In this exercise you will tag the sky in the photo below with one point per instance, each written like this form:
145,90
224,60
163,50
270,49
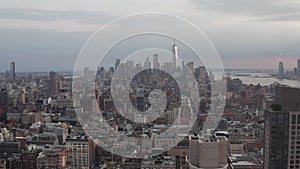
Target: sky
48,35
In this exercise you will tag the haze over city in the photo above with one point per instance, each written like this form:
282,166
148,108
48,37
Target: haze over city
50,34
157,84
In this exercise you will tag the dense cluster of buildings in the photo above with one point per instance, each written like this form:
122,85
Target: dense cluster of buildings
289,74
40,127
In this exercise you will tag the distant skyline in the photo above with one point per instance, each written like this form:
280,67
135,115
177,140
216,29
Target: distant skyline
48,35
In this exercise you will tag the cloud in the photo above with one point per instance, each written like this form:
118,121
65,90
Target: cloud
91,17
265,10
55,25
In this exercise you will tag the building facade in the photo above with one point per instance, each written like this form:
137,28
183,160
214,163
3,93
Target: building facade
81,152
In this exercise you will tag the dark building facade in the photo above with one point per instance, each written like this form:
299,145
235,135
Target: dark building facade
277,128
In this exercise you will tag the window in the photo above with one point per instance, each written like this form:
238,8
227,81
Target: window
293,119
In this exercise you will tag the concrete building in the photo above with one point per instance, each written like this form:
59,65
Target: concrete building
8,148
237,148
208,153
280,70
140,100
298,68
180,152
294,140
155,61
12,71
81,152
53,157
117,63
30,159
281,121
27,119
3,100
159,162
54,84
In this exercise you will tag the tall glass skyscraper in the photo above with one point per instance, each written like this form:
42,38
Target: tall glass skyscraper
12,71
280,70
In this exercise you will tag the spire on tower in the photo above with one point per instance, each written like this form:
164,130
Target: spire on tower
175,54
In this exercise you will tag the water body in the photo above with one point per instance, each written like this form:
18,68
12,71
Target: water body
263,79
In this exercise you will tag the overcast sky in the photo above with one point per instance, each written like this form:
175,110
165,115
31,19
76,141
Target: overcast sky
48,35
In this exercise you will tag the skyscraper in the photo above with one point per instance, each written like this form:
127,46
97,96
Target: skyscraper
280,70
117,64
175,55
281,122
190,65
155,61
147,63
12,71
298,68
54,84
294,140
140,100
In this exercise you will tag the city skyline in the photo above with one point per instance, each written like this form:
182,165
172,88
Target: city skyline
37,34
131,84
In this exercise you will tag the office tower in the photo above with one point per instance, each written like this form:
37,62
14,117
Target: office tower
140,100
280,118
155,61
147,63
12,71
81,152
280,70
294,140
175,55
276,139
208,152
54,84
298,68
190,65
117,64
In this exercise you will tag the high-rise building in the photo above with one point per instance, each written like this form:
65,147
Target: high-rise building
182,65
208,153
294,140
147,63
54,84
281,121
276,139
81,152
295,71
155,61
175,55
298,68
280,70
190,65
117,64
12,71
140,99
